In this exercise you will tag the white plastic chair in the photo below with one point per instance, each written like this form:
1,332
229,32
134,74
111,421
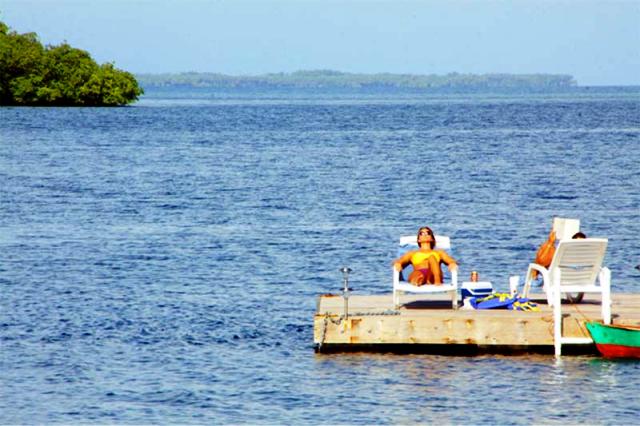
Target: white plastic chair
409,243
576,268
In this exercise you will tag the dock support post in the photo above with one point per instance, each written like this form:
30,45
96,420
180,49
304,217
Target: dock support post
345,291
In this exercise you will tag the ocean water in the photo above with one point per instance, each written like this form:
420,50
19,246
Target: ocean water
160,263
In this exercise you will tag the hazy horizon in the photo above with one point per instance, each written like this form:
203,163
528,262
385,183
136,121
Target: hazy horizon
596,42
345,72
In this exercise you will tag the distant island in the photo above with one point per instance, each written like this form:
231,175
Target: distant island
35,75
328,79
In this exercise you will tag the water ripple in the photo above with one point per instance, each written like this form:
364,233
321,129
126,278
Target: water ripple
161,263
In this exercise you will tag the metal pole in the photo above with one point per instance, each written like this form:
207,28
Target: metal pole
345,291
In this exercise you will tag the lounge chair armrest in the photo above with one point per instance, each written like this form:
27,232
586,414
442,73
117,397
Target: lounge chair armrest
539,268
454,277
604,277
527,281
396,276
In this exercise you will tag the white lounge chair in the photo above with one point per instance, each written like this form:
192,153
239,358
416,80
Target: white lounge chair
409,243
576,268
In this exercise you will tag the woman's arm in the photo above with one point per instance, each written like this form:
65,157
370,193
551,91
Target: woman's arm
400,262
545,253
448,260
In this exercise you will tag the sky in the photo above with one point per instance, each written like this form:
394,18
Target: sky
598,42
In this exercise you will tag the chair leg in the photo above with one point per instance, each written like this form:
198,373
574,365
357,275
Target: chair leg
556,296
557,325
605,283
454,299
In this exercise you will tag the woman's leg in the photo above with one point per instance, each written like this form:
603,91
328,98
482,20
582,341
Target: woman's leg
435,272
418,277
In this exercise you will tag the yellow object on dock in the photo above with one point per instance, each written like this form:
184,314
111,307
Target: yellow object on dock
431,325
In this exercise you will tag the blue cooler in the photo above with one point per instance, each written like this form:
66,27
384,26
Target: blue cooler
475,289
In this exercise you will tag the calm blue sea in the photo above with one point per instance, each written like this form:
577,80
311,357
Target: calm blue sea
160,263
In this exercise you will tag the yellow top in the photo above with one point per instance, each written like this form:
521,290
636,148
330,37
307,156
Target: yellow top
419,257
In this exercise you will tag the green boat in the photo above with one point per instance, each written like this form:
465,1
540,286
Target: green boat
616,341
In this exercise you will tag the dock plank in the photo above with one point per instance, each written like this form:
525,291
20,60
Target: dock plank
373,321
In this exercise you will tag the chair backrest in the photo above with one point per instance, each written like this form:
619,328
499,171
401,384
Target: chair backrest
579,261
442,242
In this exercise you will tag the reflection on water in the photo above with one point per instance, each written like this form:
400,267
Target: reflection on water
484,389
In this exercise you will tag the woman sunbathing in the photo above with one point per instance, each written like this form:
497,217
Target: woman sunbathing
426,261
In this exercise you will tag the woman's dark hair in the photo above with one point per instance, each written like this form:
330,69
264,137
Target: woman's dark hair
578,235
432,243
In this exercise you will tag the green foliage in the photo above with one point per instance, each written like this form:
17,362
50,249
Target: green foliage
31,74
321,79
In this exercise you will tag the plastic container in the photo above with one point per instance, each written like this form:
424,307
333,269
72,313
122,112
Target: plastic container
475,289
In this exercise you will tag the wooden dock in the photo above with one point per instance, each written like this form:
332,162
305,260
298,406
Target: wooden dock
429,325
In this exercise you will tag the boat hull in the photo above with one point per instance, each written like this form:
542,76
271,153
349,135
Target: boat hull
615,341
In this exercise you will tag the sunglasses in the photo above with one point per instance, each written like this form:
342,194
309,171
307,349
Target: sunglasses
426,232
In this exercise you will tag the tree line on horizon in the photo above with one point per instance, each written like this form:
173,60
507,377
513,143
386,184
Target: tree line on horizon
318,79
36,75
